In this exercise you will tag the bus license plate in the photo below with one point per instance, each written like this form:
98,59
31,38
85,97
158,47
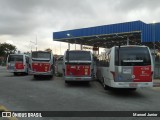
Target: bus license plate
78,78
133,84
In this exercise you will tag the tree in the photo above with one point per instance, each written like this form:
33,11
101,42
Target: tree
48,50
6,49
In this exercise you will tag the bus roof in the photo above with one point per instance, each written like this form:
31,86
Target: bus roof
132,46
18,54
79,50
40,51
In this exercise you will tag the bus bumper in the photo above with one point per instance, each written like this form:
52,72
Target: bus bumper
131,84
18,71
40,73
69,78
10,71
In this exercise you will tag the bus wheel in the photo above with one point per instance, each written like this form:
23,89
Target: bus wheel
50,76
105,86
132,89
87,82
67,82
26,72
35,77
15,73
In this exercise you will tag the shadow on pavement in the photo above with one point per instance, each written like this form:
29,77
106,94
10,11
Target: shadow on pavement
77,84
42,78
126,93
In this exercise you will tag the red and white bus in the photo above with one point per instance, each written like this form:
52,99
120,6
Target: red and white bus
17,63
126,67
77,66
41,63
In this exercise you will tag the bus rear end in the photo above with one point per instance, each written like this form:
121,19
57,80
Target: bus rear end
133,67
41,63
16,63
78,66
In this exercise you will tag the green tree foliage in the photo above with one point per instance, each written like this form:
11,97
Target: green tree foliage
6,49
48,50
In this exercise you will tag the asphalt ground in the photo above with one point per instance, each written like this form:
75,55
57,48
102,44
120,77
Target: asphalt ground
24,93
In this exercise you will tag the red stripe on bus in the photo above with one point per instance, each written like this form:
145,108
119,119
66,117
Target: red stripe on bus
19,65
142,73
78,70
41,67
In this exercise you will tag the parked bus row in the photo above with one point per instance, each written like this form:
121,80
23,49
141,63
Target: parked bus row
120,67
37,64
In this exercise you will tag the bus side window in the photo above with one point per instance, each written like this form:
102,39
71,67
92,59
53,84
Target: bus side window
109,57
104,61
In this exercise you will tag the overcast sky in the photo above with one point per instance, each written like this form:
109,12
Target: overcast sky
22,20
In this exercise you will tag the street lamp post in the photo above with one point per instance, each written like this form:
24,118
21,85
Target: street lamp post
68,42
127,40
36,43
81,47
75,45
69,35
60,48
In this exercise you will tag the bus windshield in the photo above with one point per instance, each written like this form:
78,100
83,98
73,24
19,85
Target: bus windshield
41,55
132,56
15,58
78,55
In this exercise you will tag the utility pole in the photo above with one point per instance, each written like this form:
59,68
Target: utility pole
36,42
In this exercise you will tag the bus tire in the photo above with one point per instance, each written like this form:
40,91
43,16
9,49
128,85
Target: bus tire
87,82
106,87
132,89
15,74
35,76
50,76
27,72
66,82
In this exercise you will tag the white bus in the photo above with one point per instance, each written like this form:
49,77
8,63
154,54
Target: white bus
41,63
126,67
17,63
78,66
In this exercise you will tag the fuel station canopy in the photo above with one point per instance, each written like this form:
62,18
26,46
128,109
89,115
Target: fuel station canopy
106,36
